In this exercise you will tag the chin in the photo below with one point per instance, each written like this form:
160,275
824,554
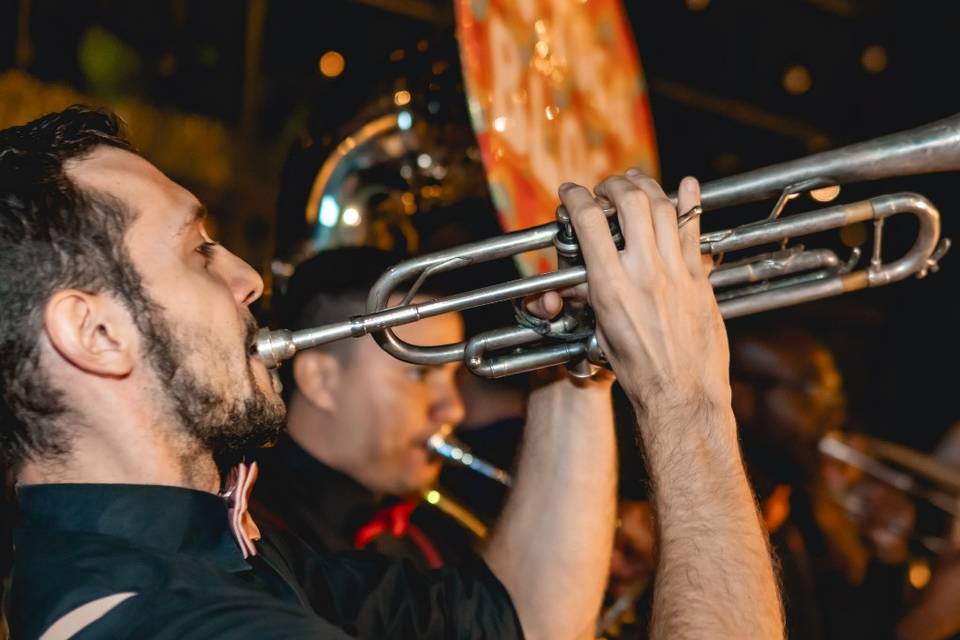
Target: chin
426,477
415,481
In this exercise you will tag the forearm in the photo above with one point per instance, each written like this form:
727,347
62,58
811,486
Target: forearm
552,546
714,577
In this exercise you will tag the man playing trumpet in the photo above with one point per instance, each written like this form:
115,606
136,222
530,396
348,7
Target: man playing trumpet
127,374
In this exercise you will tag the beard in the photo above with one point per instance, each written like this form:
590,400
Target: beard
225,422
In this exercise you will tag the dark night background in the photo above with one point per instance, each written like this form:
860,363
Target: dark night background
715,71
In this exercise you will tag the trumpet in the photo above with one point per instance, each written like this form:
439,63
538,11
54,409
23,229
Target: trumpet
774,279
454,452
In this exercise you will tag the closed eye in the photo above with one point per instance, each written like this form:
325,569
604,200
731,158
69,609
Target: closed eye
418,373
206,249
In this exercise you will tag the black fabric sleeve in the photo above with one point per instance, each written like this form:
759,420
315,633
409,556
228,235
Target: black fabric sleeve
371,596
189,615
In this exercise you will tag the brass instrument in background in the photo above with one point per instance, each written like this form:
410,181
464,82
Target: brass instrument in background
931,525
783,277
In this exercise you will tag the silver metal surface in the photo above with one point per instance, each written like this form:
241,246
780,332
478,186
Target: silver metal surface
457,453
769,281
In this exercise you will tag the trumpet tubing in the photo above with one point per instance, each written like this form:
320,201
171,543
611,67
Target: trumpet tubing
771,280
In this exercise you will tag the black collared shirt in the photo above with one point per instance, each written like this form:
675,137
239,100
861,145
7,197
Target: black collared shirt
174,549
326,508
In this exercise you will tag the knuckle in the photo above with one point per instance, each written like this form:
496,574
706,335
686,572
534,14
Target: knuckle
636,173
607,183
585,213
636,199
663,207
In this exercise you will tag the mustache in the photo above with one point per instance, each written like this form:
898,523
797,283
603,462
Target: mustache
251,327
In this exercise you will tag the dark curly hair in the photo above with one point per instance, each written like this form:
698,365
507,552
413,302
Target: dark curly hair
53,235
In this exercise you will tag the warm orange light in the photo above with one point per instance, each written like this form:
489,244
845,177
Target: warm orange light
874,59
401,97
331,64
825,194
919,574
797,80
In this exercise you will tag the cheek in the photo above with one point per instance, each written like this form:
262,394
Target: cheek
401,420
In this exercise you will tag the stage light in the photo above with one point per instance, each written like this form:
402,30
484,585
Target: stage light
919,574
329,211
351,217
424,160
797,80
401,97
331,64
874,59
404,120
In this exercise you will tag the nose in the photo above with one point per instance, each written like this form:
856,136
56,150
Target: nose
446,406
244,281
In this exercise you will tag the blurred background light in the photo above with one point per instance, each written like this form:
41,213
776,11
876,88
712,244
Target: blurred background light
329,211
874,59
351,217
331,64
797,80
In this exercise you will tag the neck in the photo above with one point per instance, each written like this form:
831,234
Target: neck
94,461
310,427
127,447
306,425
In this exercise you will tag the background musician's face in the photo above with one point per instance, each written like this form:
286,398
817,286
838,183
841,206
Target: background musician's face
197,328
386,409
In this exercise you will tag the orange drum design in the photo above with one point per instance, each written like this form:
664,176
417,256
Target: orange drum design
556,94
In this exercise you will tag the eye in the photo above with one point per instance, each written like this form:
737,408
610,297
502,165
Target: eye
206,249
418,374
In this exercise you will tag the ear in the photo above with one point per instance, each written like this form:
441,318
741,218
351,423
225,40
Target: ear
317,375
93,332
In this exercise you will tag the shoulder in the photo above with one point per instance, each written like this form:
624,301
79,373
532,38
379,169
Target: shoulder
188,614
54,575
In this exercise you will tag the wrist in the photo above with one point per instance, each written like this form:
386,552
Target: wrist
689,404
693,420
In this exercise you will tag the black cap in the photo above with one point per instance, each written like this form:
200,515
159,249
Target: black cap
332,272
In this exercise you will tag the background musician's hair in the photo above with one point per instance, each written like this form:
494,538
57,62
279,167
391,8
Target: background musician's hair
329,287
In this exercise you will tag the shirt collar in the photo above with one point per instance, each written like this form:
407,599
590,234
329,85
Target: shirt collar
337,497
171,519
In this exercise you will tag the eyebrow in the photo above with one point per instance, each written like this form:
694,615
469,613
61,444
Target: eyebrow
199,214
